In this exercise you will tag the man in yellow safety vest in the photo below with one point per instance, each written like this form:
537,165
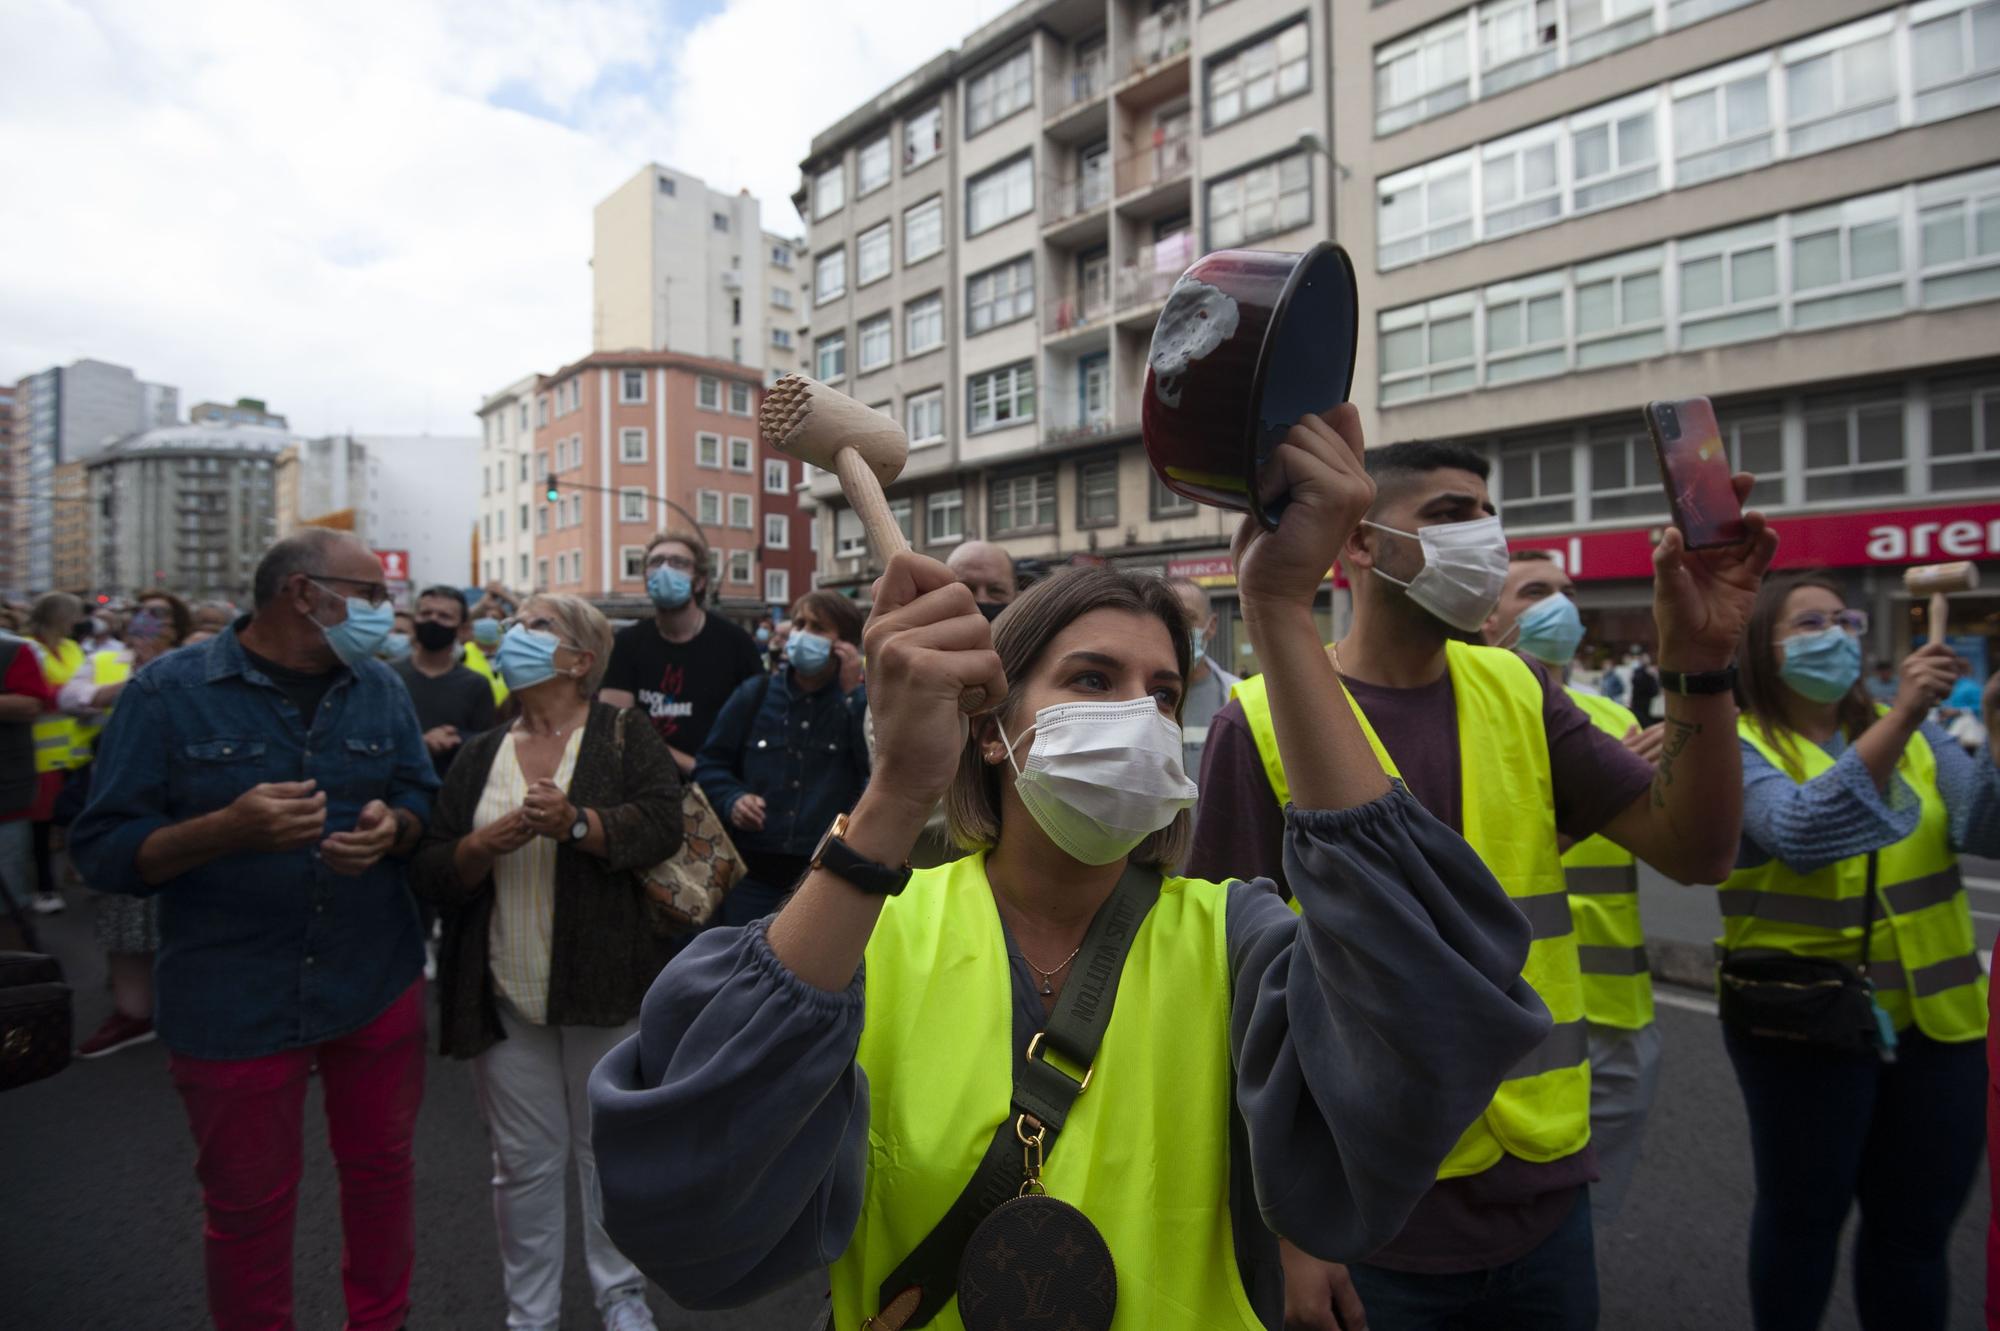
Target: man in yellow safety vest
1492,747
52,628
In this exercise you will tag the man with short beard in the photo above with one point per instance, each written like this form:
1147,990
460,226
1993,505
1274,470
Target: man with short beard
453,702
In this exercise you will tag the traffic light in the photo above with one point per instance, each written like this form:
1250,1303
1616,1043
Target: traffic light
550,494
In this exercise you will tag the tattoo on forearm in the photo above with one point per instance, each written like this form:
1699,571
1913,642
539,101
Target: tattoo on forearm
1676,738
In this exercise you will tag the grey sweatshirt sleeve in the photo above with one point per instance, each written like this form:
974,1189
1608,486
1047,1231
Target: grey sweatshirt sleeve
1370,1033
731,1132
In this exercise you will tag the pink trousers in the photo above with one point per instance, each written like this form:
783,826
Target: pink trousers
247,1116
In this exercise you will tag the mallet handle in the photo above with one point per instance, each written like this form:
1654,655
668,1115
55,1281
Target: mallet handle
1940,615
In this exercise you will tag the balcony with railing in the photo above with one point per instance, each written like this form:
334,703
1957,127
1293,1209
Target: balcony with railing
1147,179
1161,36
1076,96
1079,311
1142,285
1074,212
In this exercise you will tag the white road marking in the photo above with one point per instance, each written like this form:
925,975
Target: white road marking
1983,884
1687,1002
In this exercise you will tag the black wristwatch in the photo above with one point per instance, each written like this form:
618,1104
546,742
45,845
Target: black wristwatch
579,829
840,859
1698,683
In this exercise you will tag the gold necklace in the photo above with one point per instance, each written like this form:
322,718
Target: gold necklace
1048,976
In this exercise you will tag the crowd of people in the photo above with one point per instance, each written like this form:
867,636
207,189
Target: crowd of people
1331,983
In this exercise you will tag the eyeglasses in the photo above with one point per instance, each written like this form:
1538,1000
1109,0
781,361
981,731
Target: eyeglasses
1818,621
374,593
678,563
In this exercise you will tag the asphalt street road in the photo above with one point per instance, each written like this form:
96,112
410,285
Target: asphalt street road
100,1224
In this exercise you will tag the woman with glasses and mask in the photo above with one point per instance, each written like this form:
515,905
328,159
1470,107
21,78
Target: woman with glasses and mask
1854,815
1181,1066
534,855
788,752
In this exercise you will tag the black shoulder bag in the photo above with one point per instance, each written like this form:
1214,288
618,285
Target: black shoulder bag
35,1008
1770,994
1004,1224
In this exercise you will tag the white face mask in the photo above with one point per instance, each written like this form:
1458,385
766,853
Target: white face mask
1102,776
1464,572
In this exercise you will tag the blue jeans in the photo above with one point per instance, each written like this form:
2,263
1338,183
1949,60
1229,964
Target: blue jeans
1553,1288
1829,1129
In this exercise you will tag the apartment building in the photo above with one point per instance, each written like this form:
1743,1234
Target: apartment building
786,305
11,514
992,240
191,508
71,526
504,539
1562,211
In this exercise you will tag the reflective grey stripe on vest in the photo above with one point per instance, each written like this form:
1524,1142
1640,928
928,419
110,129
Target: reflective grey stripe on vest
1598,960
1913,896
1568,1044
1926,981
1846,912
1548,914
1595,879
51,741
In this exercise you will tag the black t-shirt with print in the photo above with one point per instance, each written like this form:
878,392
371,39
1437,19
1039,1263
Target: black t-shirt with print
682,685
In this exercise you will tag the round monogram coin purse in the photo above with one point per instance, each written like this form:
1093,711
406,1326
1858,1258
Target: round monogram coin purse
1037,1261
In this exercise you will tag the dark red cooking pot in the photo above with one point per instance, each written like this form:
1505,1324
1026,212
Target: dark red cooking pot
1249,342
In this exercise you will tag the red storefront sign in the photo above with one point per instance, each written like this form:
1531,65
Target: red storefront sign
1213,571
1889,537
395,565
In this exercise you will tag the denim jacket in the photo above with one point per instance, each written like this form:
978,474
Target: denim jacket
803,752
259,952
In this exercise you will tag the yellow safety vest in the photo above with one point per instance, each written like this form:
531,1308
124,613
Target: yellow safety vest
55,733
1921,955
1145,1151
107,667
476,661
1542,1110
1604,901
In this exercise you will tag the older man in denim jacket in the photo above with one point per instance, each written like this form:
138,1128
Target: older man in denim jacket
267,784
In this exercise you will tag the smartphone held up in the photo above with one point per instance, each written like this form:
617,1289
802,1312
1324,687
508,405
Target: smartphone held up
1694,467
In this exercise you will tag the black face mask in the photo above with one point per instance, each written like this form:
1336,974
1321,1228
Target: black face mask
990,609
435,637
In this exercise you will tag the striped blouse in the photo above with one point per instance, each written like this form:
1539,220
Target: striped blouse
524,887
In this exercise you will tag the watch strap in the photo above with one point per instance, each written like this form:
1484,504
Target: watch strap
843,861
1698,683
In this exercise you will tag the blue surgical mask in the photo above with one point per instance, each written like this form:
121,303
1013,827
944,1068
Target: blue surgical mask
1822,666
669,587
1550,630
356,638
808,652
486,632
763,636
396,647
1197,644
527,658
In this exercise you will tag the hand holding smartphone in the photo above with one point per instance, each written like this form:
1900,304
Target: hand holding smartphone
1694,467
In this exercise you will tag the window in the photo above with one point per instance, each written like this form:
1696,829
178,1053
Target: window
708,451
1537,481
829,191
739,399
524,418
781,256
721,221
1841,85
542,410
777,586
542,572
524,569
1425,210
716,559
666,185
1261,74
878,342
1423,75
1965,434
850,538
830,276
1018,505
830,358
1614,153
1754,434
1854,446
1526,336
1599,27
524,468
1517,44
1097,493
1729,285
708,394
1624,474
632,563
903,511
1000,295
923,137
1722,121
1164,503
542,520
1262,201
777,531
871,168
923,325
923,230
1849,256
740,512
740,567
999,92
781,297
776,482
923,417
872,255
631,504
1619,315
1522,181
631,445
1000,398
521,523
708,507
1959,221
739,456
1426,349
1005,192
781,338
576,510
1954,57
944,517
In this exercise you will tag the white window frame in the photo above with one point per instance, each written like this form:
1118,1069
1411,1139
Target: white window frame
1612,117
1969,85
1851,118
829,191
998,91
928,142
781,338
1007,186
1525,210
1739,318
1629,337
632,503
1435,91
742,456
1501,69
1258,71
944,517
1731,153
850,537
741,571
1432,235
628,436
1003,495
1019,297
626,378
708,507
1245,195
830,275
1620,23
781,297
903,510
1973,276
708,450
881,240
882,147
777,531
834,344
925,313
1536,448
1517,303
1980,396
740,392
881,330
708,394
742,513
1458,374
1887,400
631,563
928,220
923,417
1637,484
777,586
1016,382
777,476
1877,295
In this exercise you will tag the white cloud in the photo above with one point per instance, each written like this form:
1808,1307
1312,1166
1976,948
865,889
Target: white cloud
333,207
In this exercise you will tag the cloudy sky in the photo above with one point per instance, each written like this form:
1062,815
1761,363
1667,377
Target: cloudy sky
373,212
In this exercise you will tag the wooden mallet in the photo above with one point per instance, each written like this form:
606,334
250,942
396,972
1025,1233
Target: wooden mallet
1935,580
805,419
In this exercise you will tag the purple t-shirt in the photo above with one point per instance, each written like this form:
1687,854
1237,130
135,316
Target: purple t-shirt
1498,1216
